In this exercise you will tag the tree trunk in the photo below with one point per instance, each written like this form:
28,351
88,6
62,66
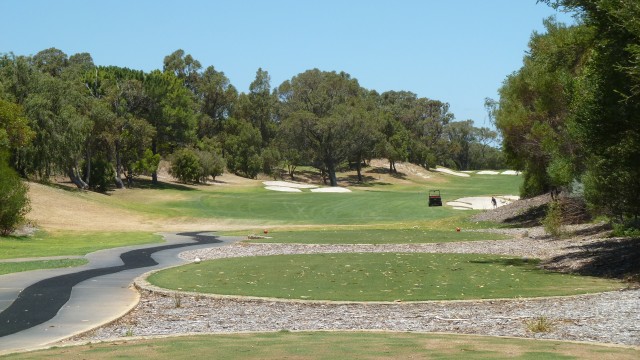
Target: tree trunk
118,179
154,174
359,170
88,174
72,172
331,169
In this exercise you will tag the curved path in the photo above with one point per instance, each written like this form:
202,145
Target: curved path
43,306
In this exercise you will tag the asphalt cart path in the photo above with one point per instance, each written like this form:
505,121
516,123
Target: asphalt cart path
44,306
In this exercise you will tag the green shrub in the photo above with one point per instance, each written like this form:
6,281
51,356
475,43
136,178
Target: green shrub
211,164
14,202
630,228
101,176
553,220
185,166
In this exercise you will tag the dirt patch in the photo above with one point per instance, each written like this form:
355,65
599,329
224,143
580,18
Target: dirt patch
69,209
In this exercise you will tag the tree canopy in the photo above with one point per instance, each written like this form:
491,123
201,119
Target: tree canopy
569,116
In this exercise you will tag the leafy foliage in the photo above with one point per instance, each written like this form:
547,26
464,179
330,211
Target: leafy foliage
14,203
185,166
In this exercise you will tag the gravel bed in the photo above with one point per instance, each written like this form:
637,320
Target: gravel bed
611,317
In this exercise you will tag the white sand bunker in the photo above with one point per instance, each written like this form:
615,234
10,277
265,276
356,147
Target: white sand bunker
481,202
282,188
488,172
510,172
287,186
331,189
450,172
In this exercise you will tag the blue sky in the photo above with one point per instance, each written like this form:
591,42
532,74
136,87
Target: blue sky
456,51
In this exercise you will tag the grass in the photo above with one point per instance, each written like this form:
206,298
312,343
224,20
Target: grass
12,267
376,236
377,277
539,325
334,345
69,243
378,204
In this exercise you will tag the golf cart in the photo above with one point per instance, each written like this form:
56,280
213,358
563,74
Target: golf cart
434,198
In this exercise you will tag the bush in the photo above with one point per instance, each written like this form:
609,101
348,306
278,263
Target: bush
14,202
185,166
553,220
101,176
211,164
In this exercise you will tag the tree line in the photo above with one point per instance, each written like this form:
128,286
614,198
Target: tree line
570,117
103,126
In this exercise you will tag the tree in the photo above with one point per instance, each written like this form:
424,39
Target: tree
211,164
315,102
242,147
184,67
424,119
607,110
14,202
534,111
14,128
217,98
259,106
461,135
171,111
394,142
185,166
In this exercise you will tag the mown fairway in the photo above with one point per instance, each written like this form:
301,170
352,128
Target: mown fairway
334,345
379,203
377,277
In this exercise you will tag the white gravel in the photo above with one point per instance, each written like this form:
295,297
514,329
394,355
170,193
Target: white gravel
611,317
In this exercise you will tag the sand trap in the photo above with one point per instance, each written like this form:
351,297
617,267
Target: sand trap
282,188
488,172
450,172
509,172
331,189
481,202
289,184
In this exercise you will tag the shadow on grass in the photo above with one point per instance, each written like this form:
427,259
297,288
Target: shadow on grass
148,184
508,261
367,181
610,258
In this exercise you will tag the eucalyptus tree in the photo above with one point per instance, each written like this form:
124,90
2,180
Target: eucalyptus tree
460,136
363,120
315,102
534,110
171,111
424,119
607,110
394,141
14,133
58,113
184,67
120,134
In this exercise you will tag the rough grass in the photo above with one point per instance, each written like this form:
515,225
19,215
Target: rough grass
377,277
334,345
70,243
376,236
12,267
